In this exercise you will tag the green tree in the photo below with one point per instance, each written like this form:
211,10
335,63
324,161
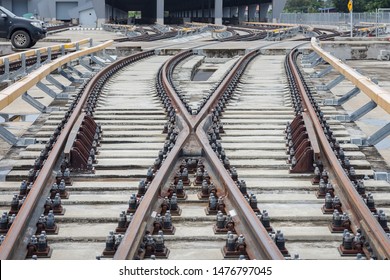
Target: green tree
296,6
358,5
375,4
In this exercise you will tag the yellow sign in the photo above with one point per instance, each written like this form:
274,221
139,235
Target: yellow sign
350,5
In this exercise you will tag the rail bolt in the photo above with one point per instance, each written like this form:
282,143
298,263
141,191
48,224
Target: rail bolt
370,202
23,189
266,221
4,223
15,204
110,245
199,177
133,204
382,219
321,192
235,247
56,206
280,243
234,174
122,222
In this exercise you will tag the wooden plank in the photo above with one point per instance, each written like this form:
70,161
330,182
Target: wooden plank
43,50
17,89
379,95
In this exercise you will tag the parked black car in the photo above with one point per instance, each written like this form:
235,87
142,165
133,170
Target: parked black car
23,32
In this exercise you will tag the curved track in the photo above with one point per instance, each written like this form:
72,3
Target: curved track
205,164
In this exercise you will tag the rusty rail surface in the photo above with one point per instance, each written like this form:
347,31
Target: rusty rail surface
15,244
361,217
194,127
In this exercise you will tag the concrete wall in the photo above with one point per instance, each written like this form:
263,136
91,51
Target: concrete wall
277,9
356,50
7,4
47,9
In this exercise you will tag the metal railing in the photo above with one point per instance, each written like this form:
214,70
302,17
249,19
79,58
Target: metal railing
338,19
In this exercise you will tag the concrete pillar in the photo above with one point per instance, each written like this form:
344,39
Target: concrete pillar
160,12
218,11
226,12
241,13
277,9
202,8
100,10
263,11
209,11
252,12
233,12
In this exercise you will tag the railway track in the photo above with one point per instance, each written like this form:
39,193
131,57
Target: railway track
193,156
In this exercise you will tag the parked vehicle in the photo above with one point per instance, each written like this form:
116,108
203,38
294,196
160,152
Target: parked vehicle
23,32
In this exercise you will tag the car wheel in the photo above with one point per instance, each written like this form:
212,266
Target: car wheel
20,39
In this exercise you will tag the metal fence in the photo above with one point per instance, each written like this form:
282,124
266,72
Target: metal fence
340,19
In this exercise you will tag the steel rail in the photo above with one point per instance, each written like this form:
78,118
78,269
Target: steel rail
16,240
361,217
136,230
261,245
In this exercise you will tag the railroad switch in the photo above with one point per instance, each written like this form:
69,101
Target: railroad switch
224,224
235,247
38,246
155,246
299,146
340,223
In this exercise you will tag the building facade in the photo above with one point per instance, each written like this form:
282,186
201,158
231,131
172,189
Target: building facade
92,13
